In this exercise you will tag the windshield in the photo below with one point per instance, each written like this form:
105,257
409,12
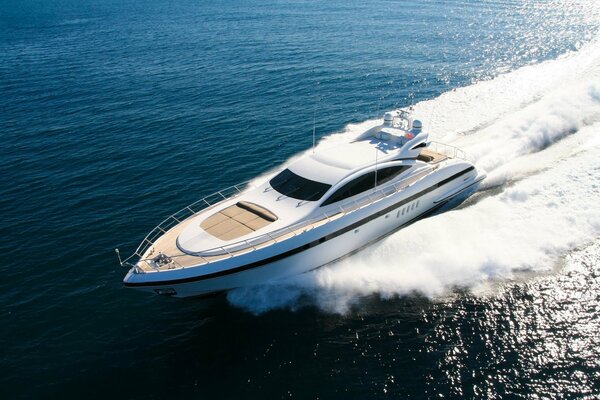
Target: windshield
297,187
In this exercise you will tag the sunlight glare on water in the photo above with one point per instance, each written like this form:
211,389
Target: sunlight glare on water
114,114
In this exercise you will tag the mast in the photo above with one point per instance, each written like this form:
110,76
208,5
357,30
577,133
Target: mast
376,159
314,128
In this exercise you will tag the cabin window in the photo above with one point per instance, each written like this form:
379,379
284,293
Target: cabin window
294,186
364,183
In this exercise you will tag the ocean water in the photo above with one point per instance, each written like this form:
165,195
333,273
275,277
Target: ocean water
113,114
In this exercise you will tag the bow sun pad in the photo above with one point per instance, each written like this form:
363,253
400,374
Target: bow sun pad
237,220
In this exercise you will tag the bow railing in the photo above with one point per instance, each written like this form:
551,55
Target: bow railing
181,215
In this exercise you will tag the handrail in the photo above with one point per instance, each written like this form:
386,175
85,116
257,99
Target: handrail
183,214
448,150
368,198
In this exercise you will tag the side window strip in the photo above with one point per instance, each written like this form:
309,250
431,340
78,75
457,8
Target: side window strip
364,183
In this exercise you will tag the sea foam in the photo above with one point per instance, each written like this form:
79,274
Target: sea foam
535,132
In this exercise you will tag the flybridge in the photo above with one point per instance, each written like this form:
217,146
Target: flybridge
399,137
400,134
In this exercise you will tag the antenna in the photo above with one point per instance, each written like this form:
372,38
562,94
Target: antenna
376,157
314,128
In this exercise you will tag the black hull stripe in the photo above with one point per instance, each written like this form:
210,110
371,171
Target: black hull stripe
304,247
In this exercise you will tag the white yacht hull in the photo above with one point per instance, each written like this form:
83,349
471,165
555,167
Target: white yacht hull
314,247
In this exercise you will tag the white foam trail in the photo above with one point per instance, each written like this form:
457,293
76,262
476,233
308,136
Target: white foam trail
548,148
559,114
467,110
463,111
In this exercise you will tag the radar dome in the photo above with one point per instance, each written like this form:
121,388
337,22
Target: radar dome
417,126
388,118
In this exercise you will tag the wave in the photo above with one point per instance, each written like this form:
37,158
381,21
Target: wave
535,131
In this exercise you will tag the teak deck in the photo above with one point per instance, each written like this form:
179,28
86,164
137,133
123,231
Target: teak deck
431,157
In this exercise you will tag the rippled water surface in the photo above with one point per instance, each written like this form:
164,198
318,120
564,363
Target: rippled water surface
114,114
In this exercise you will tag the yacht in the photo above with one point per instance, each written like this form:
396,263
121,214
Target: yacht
324,206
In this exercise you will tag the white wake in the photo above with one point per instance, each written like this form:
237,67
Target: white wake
536,132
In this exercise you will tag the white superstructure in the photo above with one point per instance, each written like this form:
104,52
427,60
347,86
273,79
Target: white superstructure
320,208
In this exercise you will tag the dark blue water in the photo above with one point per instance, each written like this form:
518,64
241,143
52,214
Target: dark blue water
113,114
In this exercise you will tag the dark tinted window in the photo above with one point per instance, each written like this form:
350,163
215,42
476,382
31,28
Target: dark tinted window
297,187
389,173
365,182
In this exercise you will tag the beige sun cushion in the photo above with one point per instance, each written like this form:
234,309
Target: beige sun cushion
237,220
429,156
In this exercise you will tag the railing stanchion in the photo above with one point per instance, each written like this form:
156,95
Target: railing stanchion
226,251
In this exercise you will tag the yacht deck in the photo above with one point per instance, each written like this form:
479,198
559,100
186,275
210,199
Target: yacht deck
431,157
232,223
167,245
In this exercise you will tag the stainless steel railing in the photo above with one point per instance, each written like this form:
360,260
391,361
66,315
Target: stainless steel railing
448,150
183,214
352,205
253,243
